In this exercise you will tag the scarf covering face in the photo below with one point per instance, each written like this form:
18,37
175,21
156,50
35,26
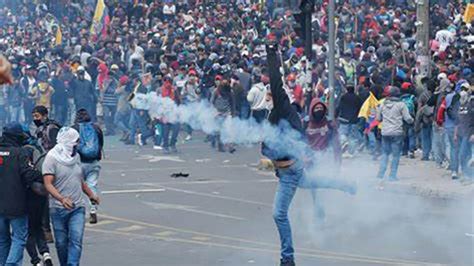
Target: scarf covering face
66,140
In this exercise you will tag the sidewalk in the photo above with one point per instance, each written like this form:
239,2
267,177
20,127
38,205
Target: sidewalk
416,177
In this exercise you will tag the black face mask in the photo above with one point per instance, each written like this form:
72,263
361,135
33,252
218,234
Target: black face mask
319,115
38,123
74,151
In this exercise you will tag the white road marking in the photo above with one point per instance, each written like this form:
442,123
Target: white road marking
188,167
100,223
130,228
154,158
109,192
192,209
165,233
216,196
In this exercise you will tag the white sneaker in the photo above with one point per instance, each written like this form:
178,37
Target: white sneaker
47,259
347,155
157,147
139,140
188,138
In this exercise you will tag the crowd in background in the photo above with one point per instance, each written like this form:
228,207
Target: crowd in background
214,51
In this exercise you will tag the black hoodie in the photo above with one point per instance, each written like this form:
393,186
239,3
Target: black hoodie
283,114
16,176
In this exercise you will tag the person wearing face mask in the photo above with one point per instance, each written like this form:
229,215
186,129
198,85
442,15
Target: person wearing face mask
17,176
46,133
64,180
322,135
46,129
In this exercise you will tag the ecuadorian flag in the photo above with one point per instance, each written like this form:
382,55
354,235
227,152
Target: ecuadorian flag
101,20
368,112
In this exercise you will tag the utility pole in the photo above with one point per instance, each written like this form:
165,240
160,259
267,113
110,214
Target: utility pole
423,36
307,8
331,59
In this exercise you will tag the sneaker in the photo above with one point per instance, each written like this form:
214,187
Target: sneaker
411,155
454,175
157,147
287,263
188,138
139,140
48,236
166,151
93,218
347,155
47,259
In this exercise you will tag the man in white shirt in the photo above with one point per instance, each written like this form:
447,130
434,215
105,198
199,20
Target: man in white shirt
257,100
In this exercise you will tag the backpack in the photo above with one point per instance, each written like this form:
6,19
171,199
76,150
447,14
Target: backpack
46,142
89,141
409,101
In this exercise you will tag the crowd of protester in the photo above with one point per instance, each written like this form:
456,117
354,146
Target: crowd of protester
215,51
193,51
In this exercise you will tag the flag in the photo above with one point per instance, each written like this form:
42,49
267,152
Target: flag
101,20
59,37
469,13
368,112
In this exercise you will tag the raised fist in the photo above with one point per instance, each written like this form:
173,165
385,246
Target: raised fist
5,71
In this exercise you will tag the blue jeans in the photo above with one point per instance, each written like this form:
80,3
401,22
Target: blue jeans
289,179
351,134
259,115
439,144
138,119
91,175
453,151
410,141
426,140
121,121
68,232
13,245
244,112
174,130
465,154
391,145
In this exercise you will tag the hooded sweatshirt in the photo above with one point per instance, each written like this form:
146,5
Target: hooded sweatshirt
392,114
322,135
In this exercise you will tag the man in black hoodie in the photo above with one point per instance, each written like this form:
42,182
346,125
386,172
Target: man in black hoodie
287,153
289,169
16,176
348,116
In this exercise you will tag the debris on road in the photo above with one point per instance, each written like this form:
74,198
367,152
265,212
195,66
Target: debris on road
177,175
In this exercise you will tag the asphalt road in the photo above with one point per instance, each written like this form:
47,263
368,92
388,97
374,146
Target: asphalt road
222,215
